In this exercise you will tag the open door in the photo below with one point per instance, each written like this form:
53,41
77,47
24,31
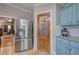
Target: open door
43,31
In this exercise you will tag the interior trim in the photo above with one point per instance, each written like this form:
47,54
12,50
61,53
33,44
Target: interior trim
25,10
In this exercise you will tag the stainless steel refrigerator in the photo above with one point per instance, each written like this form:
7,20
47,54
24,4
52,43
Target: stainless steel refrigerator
23,39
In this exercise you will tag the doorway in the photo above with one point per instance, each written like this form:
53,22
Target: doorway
43,31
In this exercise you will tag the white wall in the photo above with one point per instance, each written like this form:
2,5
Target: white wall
6,10
44,8
58,21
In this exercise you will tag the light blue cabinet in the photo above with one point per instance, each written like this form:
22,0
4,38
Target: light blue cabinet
74,44
74,48
62,47
66,15
67,47
59,47
77,9
70,15
74,51
63,17
74,14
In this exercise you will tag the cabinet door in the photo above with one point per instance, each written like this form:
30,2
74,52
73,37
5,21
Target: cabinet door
74,51
66,16
74,48
65,47
62,47
59,47
74,14
63,17
69,15
74,44
77,8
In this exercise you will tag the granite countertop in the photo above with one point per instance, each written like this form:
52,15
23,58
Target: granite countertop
72,38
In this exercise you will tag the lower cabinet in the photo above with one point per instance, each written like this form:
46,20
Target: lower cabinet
59,47
62,48
74,51
74,48
66,47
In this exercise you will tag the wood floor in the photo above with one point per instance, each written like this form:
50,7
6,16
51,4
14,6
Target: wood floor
10,51
32,52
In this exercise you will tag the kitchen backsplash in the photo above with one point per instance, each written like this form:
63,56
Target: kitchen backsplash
58,30
74,32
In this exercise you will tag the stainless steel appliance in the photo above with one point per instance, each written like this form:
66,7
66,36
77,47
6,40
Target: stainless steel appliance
23,35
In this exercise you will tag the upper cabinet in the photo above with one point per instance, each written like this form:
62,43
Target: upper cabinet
66,15
70,15
77,7
74,14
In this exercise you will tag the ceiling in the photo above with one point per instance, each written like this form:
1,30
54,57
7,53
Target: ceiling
30,6
26,6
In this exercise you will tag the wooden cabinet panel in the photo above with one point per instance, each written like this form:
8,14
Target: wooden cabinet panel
9,50
7,41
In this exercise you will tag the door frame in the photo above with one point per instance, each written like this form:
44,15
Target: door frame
35,17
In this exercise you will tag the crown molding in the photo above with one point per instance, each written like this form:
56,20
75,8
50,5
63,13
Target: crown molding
39,4
25,10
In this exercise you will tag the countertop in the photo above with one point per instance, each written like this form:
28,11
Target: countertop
72,38
9,35
12,36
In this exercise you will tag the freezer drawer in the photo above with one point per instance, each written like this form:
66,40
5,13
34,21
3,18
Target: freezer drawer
27,44
23,44
18,46
30,43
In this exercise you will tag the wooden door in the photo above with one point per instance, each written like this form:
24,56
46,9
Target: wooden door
43,31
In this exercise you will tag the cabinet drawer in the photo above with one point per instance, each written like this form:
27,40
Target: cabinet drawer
74,44
7,41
